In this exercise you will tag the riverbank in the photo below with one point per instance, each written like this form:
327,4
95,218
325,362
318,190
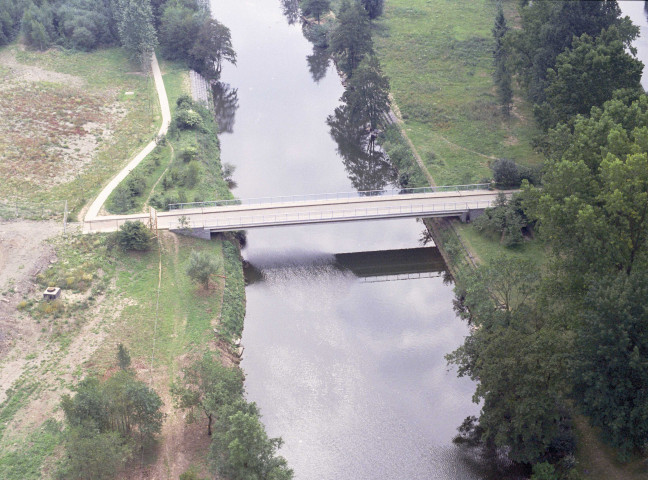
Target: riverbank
144,301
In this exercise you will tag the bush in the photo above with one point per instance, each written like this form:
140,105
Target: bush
188,154
188,119
201,267
121,200
134,236
506,173
317,34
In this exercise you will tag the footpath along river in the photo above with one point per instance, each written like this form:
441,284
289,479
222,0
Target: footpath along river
344,357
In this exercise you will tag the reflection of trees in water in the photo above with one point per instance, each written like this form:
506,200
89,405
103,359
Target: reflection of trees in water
318,63
290,10
225,105
366,164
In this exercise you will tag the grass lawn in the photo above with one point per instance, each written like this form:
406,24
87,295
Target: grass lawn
438,56
72,120
487,247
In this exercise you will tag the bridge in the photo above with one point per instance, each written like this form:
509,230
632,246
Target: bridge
230,215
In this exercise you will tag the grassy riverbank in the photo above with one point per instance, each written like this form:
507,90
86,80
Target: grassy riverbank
438,57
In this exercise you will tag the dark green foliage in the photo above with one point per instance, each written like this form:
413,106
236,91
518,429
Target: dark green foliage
548,28
241,449
367,95
350,40
37,26
136,29
178,29
86,24
544,471
317,34
586,75
121,200
134,236
506,173
518,360
611,374
201,267
593,206
92,454
11,13
207,385
187,119
374,8
315,7
506,218
233,313
106,422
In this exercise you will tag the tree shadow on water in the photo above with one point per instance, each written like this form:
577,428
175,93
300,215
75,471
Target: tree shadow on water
225,106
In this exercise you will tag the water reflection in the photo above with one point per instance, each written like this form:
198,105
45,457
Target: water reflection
318,63
366,164
226,103
290,10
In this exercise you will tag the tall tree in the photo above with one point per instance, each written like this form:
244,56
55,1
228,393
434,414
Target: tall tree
136,29
611,371
179,27
208,385
586,75
548,28
351,38
212,47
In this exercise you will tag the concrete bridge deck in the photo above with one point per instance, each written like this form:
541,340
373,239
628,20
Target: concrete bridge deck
246,216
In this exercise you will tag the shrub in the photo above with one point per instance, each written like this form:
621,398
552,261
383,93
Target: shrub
134,236
188,119
188,154
122,199
506,173
201,267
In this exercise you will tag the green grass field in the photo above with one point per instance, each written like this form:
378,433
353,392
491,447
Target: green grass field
438,57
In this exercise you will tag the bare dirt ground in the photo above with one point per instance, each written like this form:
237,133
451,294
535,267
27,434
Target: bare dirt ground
23,254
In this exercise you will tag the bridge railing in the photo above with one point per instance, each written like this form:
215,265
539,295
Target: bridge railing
328,196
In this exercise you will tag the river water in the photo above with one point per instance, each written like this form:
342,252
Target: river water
638,13
347,324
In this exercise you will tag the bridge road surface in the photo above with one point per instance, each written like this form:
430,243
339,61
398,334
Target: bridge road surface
242,217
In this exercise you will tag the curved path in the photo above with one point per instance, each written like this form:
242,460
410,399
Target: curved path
94,209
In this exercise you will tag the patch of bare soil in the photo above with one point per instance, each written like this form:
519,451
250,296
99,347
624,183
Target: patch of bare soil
23,254
52,126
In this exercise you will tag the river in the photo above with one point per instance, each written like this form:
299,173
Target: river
638,13
347,324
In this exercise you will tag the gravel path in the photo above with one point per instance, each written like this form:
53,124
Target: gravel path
94,209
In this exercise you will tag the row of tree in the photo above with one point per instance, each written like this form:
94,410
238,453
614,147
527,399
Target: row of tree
183,28
572,333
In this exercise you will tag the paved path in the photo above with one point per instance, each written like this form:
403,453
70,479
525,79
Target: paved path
94,209
240,217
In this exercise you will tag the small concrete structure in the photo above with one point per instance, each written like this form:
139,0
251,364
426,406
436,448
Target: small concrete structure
52,293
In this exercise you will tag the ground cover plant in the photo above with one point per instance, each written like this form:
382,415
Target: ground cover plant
439,58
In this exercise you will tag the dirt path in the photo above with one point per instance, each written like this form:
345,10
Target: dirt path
95,207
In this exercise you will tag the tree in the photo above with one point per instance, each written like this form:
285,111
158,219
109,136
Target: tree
505,173
374,8
212,47
134,236
178,31
92,454
207,384
518,359
367,95
505,218
548,28
592,207
611,371
315,7
201,267
351,37
586,75
37,26
243,450
136,28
